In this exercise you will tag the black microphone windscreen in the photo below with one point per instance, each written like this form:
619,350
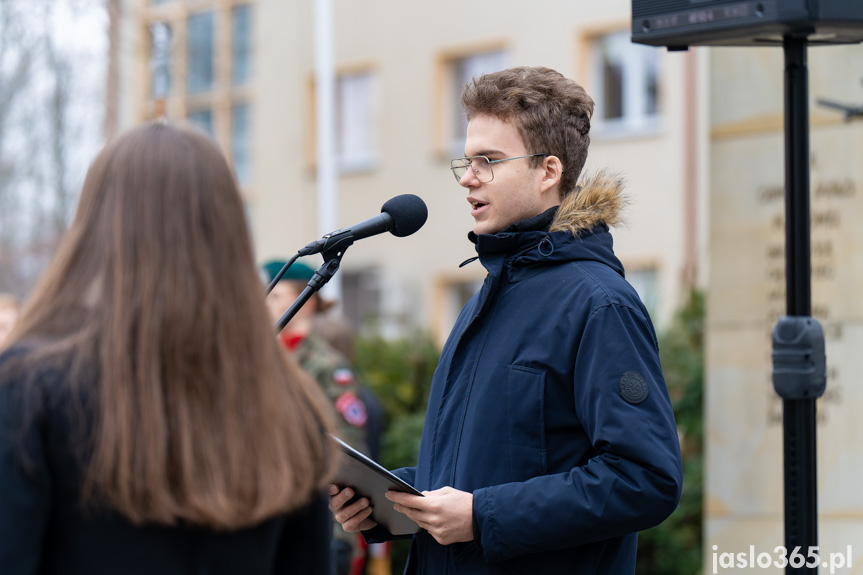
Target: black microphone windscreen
409,213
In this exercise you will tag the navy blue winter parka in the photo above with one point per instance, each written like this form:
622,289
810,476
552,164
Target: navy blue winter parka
549,405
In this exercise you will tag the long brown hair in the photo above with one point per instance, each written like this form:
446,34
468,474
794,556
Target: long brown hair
201,416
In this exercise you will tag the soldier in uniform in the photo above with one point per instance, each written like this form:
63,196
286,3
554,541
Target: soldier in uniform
333,373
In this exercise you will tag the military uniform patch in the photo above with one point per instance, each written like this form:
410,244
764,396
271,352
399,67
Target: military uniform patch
633,387
343,376
352,409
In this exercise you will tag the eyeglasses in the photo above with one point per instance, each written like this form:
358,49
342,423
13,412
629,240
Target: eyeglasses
481,166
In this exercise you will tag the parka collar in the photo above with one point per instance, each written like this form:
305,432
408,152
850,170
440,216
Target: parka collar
521,251
577,230
512,237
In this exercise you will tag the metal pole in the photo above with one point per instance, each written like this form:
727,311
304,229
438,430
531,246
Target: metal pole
798,421
327,166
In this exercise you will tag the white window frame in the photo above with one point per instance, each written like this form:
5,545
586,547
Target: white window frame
646,280
637,61
475,64
357,121
171,63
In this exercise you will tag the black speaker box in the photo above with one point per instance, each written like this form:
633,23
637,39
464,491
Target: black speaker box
678,24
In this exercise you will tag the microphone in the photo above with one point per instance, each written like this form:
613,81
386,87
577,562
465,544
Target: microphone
401,216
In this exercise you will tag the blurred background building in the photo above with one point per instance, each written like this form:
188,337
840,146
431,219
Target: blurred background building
244,71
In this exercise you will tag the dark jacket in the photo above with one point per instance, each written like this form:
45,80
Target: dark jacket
45,529
549,405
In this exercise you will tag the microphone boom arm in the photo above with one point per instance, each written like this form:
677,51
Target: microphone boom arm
401,216
332,260
332,241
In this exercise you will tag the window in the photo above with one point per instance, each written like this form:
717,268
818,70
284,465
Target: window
240,142
624,78
361,296
462,70
452,293
459,294
199,53
202,119
200,60
356,121
646,283
161,38
241,44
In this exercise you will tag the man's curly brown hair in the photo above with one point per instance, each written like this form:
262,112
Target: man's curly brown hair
552,113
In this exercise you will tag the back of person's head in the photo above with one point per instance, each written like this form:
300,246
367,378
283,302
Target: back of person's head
552,113
156,288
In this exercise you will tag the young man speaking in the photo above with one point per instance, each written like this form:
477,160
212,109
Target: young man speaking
549,439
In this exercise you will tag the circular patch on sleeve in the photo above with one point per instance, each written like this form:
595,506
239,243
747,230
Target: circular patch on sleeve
352,409
633,387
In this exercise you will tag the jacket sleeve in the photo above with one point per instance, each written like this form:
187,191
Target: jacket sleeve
25,484
406,474
633,481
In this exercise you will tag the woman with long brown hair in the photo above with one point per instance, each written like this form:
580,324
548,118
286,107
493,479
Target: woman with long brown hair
149,421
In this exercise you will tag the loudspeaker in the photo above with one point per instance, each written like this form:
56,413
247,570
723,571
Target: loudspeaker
679,24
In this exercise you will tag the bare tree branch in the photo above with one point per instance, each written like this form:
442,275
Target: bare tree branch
46,112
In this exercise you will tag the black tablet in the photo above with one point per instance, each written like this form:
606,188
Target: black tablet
369,479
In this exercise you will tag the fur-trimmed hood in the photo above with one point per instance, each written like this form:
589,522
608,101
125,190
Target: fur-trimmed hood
599,199
577,230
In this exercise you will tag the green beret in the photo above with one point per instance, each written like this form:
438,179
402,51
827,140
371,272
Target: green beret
298,271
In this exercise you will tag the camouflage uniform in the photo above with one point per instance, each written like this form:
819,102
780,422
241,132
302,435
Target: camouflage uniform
335,376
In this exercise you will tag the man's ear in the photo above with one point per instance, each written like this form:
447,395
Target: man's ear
553,171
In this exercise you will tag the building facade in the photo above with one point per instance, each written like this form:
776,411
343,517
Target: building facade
243,70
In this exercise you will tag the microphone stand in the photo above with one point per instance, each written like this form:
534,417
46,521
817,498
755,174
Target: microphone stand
332,260
799,360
